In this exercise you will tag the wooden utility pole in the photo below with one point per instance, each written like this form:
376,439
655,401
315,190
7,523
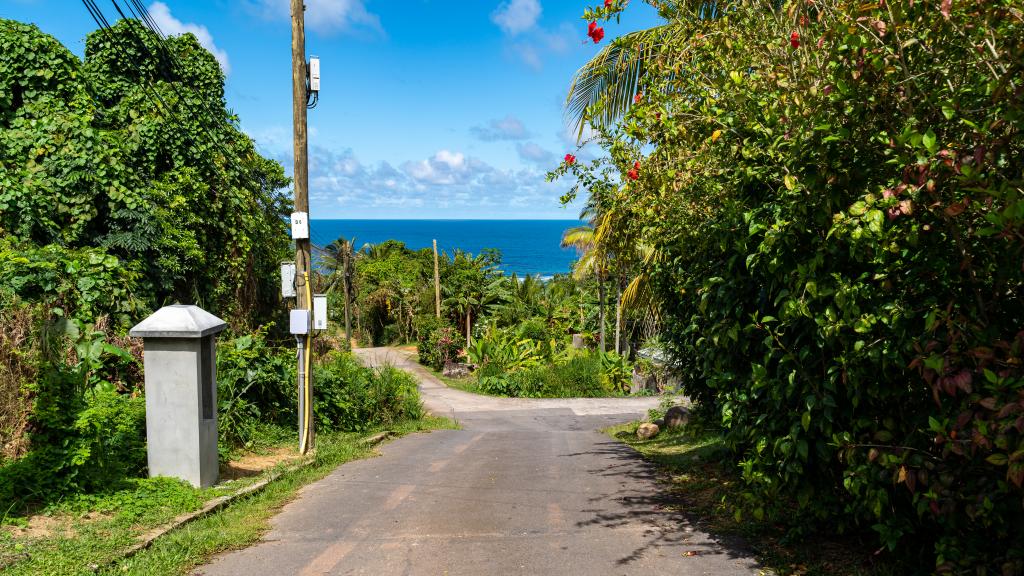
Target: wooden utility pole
437,284
301,179
347,284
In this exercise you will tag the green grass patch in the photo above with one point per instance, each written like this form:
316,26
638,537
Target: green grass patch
88,534
700,471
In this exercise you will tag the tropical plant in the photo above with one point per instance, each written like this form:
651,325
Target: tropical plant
828,196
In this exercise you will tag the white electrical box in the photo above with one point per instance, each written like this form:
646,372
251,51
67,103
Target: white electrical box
319,312
288,279
298,322
314,74
300,226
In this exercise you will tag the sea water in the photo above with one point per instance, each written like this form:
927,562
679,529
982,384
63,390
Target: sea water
528,247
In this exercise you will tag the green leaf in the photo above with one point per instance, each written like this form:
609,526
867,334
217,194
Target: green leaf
997,459
929,141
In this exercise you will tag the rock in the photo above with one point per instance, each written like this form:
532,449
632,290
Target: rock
660,423
677,416
455,370
647,431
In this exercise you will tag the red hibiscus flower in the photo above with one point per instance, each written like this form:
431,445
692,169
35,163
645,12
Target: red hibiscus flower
570,159
607,3
633,175
639,96
636,165
794,40
595,32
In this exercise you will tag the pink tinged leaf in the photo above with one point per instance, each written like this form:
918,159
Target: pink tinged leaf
945,8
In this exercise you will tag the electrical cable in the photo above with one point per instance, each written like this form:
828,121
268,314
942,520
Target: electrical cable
169,58
103,24
307,390
142,15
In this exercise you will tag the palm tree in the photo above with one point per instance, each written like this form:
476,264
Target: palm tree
592,262
338,259
463,305
602,90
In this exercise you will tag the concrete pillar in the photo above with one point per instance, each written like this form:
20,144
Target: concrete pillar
181,392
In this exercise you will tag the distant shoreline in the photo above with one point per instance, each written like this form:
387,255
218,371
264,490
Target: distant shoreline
528,247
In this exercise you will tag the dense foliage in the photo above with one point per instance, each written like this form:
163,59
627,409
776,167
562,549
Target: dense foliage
256,391
137,165
830,198
125,184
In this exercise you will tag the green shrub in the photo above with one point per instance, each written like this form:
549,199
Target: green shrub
534,329
256,384
831,197
440,346
351,397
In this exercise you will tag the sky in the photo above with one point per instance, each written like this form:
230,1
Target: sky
428,108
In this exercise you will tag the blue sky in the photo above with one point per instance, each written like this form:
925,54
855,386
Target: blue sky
428,108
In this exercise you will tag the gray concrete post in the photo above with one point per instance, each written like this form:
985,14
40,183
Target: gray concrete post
181,392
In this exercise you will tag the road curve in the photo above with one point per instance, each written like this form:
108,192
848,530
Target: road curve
528,486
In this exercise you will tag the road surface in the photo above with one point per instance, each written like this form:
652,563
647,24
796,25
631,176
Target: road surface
528,486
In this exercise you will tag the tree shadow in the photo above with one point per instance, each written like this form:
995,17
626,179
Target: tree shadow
643,501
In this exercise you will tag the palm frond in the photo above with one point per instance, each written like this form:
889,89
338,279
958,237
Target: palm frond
612,76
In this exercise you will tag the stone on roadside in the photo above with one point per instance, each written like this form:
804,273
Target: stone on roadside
455,370
677,416
647,430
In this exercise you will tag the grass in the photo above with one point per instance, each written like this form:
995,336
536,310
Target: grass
88,535
699,470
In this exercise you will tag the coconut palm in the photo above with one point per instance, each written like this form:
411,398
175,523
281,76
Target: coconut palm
338,262
592,262
603,89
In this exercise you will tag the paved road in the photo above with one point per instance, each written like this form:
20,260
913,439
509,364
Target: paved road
526,487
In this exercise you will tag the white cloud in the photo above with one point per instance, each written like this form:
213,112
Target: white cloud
516,16
171,26
534,46
533,152
507,128
328,16
447,180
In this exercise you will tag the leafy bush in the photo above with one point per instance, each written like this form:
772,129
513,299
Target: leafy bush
256,384
79,442
87,283
351,397
580,376
830,198
534,329
439,347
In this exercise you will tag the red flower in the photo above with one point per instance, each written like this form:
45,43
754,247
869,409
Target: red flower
595,32
636,165
607,3
633,175
794,40
570,159
639,96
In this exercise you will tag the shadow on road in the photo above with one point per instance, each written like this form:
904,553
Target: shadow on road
669,529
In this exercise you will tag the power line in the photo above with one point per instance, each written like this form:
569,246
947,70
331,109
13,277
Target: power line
142,15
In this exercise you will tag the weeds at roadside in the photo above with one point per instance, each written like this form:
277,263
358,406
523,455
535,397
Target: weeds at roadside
93,530
695,464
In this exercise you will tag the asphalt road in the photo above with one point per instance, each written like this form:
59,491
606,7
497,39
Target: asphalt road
526,487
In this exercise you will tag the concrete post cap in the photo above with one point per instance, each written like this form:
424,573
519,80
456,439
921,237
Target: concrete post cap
178,321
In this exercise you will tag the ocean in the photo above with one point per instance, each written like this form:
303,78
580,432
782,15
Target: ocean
528,247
